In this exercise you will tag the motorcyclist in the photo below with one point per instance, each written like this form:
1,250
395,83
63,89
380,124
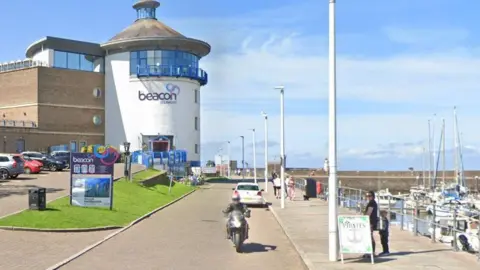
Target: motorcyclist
236,205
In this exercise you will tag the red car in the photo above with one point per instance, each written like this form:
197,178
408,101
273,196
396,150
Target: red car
31,166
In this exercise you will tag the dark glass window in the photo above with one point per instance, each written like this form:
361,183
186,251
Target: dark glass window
77,61
73,61
196,123
165,59
60,59
86,62
137,59
248,187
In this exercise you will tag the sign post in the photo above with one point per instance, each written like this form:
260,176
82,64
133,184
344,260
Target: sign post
355,235
91,178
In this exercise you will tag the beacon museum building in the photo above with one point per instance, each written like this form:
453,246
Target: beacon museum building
141,86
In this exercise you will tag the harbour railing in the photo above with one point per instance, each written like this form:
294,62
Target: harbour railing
411,217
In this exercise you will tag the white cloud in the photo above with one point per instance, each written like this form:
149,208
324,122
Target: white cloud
253,53
425,36
380,138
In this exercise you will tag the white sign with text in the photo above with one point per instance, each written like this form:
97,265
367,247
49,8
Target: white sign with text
355,235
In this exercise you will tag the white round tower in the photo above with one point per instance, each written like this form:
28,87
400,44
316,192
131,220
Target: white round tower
152,85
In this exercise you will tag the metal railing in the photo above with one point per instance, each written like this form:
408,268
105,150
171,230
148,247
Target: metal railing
18,123
21,64
410,218
173,71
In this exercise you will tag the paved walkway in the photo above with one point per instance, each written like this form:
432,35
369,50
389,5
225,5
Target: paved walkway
306,223
33,250
190,235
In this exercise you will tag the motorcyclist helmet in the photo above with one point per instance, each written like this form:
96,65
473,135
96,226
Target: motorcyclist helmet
235,198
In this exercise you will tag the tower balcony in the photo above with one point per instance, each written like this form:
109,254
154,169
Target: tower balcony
197,74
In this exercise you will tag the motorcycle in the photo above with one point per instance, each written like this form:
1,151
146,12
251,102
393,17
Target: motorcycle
237,226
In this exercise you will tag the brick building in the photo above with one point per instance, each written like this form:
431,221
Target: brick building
75,93
42,105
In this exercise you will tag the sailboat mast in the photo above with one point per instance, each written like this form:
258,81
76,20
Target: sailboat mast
462,181
443,150
434,149
430,163
455,143
437,161
424,155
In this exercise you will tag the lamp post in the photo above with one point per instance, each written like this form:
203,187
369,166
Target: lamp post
126,172
476,183
219,154
229,158
332,140
254,157
265,116
243,157
282,145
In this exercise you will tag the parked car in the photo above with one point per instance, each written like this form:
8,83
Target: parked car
62,156
49,162
10,166
31,166
53,164
34,156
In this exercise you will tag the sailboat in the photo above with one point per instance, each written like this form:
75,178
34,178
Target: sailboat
452,196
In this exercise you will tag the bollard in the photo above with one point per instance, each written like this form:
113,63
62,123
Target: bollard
434,223
455,244
402,213
415,220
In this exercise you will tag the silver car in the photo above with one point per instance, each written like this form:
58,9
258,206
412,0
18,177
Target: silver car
10,166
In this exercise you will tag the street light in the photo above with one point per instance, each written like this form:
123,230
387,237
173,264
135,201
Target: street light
219,155
126,146
265,116
332,140
476,183
243,157
254,157
282,145
229,158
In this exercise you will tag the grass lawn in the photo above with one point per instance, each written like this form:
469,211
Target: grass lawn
130,201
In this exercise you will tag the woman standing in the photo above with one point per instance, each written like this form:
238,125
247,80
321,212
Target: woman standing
291,188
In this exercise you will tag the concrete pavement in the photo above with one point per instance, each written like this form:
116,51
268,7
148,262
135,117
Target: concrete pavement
306,224
191,235
33,250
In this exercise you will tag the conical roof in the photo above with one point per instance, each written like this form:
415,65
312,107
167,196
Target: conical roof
146,28
148,33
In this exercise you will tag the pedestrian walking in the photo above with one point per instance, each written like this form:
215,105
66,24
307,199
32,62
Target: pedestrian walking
277,185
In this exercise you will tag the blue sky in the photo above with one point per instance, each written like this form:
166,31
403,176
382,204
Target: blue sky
399,62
